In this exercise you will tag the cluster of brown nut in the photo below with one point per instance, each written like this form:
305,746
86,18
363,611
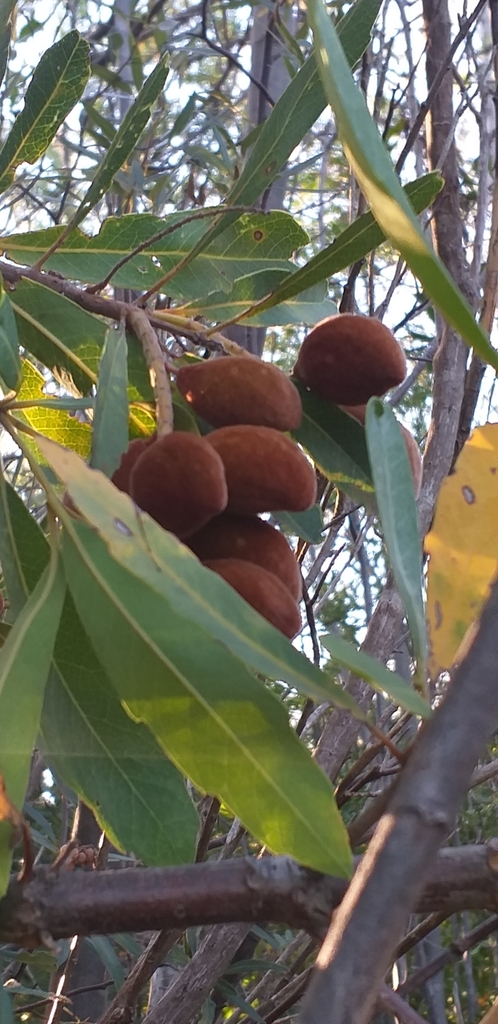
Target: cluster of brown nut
210,490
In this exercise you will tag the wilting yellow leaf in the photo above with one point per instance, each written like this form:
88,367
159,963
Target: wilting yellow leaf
463,547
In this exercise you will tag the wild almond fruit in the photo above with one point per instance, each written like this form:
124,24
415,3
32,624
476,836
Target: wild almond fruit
180,481
252,540
349,358
262,590
239,389
121,476
265,471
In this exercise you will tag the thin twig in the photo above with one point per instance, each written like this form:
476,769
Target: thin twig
140,324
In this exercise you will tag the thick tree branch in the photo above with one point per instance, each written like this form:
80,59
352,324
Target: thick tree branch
61,904
370,921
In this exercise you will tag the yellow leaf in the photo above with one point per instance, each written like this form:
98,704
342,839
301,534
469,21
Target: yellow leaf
463,547
57,424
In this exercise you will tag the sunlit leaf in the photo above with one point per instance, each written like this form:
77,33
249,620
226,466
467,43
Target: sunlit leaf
463,548
225,730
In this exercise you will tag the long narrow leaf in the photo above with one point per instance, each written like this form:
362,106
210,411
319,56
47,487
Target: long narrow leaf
378,181
292,116
376,674
24,666
173,572
395,496
353,244
10,359
123,142
110,420
115,765
224,729
55,88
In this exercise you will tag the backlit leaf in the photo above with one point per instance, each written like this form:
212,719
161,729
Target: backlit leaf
463,547
56,86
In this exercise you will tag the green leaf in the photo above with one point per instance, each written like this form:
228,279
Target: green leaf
6,19
376,674
337,444
299,107
64,404
110,421
113,764
64,337
123,142
294,113
175,574
54,423
351,245
307,307
55,88
307,525
257,242
24,665
9,556
379,183
224,729
10,360
395,498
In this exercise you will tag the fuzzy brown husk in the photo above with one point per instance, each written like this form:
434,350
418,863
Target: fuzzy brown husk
252,540
180,481
265,470
237,389
261,589
121,476
349,358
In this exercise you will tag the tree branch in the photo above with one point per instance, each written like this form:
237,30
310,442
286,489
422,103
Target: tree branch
370,921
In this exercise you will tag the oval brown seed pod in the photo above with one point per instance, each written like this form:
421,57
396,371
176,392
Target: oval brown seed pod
349,358
252,540
265,470
240,389
180,481
121,476
261,589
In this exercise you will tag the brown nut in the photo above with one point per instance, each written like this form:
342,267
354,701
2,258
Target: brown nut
239,389
121,476
412,449
261,589
252,540
180,481
265,470
349,358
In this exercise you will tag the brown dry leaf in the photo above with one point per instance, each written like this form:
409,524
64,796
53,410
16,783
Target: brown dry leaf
463,547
